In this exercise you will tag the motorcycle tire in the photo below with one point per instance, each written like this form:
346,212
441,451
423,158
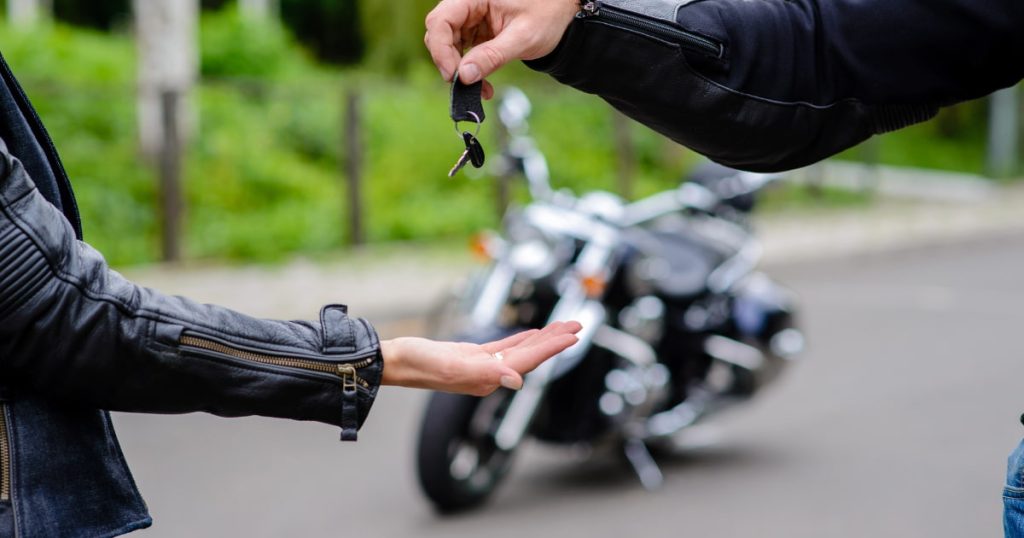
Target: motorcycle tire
458,464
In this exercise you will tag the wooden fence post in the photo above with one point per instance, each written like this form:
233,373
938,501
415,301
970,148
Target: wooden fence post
626,161
166,37
504,179
1001,159
352,154
28,12
258,9
170,177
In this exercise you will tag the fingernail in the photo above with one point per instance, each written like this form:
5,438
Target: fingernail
510,382
444,76
469,73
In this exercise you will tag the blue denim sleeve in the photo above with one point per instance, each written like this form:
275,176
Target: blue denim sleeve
1013,494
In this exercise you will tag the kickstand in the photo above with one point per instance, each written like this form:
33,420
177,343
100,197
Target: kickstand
643,463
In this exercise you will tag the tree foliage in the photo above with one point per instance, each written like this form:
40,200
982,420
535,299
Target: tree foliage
99,14
330,28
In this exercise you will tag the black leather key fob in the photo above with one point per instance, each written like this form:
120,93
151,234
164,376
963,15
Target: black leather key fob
465,102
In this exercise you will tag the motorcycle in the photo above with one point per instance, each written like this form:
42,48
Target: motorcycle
678,323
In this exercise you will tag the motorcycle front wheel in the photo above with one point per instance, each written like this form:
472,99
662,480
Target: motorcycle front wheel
458,463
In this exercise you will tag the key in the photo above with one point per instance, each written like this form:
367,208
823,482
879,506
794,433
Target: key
463,159
476,151
473,154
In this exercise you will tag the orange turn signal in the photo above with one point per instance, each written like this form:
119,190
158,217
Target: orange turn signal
480,246
593,285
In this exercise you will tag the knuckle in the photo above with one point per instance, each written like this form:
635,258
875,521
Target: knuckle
431,17
480,392
493,56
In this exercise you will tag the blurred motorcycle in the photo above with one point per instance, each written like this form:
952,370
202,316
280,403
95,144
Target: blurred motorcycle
677,322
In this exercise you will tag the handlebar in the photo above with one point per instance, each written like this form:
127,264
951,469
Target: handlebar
513,111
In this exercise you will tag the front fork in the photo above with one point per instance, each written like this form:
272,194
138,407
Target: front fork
524,404
591,314
575,304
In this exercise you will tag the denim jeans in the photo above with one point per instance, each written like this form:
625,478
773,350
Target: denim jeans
1013,495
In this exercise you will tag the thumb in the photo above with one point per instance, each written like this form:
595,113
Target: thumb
510,379
487,57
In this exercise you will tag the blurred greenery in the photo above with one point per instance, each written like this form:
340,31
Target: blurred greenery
263,175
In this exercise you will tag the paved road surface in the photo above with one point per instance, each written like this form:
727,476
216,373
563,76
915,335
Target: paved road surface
897,423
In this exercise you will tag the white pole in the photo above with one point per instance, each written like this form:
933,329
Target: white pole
1003,132
27,12
257,9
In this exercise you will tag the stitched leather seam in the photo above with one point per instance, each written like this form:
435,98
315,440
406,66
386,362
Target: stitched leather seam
766,100
72,280
9,208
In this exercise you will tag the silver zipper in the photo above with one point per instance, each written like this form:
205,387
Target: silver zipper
659,29
346,371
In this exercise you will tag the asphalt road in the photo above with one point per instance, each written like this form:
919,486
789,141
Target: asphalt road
897,422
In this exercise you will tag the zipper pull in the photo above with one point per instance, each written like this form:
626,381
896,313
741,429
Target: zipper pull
589,8
349,402
347,373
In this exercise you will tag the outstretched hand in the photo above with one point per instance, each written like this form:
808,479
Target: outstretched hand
499,31
476,369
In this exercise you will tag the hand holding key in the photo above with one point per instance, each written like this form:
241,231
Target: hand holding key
465,106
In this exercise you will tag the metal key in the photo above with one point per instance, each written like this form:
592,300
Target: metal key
463,159
474,154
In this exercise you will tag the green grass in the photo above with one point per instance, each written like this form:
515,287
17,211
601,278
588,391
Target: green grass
954,141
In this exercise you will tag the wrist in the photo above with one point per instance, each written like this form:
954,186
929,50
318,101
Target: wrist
392,357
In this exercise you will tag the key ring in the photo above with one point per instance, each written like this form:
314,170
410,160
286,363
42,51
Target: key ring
475,118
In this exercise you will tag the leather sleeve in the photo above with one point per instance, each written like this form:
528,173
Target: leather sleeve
72,329
778,84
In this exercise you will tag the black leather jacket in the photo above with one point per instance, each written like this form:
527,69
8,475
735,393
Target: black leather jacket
76,337
770,85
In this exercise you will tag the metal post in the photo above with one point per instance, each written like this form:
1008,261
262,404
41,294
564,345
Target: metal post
505,174
871,150
624,151
353,159
28,12
1003,133
258,9
170,177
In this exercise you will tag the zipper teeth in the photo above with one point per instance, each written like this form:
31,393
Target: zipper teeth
660,29
288,362
5,456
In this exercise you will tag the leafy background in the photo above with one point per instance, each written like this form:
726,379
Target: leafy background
264,169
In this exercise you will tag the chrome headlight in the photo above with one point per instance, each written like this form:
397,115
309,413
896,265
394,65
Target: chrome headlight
533,259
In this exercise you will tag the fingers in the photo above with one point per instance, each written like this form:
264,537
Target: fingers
487,92
511,380
532,336
444,30
525,358
494,347
555,328
521,353
487,57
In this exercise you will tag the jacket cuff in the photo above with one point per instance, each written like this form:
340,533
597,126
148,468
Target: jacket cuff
555,60
361,376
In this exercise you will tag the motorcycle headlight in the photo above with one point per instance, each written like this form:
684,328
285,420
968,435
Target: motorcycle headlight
532,258
532,252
